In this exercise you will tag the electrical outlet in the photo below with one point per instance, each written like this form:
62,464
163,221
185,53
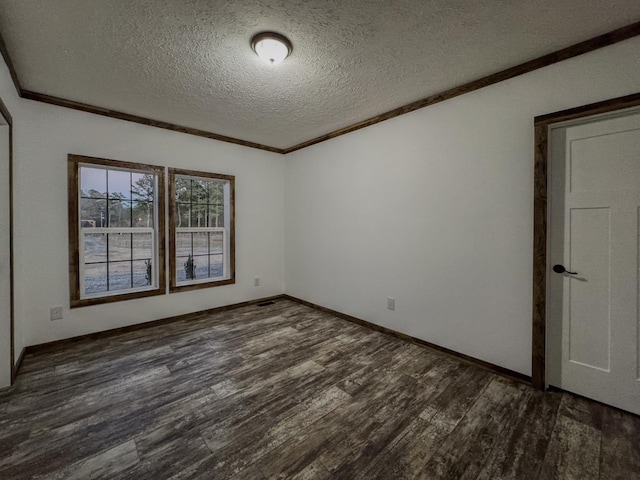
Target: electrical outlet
55,313
256,281
391,303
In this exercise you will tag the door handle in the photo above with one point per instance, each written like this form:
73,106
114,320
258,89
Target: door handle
561,269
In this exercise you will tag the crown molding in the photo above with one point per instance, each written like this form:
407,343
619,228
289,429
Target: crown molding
590,45
575,50
62,102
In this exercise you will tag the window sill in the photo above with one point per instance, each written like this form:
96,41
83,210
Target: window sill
173,288
87,302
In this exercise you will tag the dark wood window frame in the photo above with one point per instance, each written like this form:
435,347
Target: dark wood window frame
173,264
4,112
73,165
540,178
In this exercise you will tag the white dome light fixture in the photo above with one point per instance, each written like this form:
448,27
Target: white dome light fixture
271,47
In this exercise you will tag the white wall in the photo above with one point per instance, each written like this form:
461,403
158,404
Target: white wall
45,134
435,208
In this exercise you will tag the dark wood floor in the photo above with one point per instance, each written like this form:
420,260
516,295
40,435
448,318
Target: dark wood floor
284,391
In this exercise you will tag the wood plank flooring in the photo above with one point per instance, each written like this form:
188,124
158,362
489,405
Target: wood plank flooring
284,391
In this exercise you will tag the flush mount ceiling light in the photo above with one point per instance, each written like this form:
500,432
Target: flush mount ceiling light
271,47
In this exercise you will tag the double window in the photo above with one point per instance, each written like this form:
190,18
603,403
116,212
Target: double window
117,230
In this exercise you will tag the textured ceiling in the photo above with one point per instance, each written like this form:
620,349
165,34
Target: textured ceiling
189,62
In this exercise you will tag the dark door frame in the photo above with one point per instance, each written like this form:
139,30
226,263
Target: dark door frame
4,111
541,159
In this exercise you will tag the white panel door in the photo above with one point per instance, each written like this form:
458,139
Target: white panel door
593,329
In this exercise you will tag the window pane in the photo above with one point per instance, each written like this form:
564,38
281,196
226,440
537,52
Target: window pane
199,192
119,246
183,189
95,278
202,266
216,216
119,184
199,205
180,274
183,244
93,182
142,246
199,214
183,211
200,243
93,213
183,266
143,186
95,248
216,269
142,273
112,199
216,191
142,214
119,275
119,213
216,239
